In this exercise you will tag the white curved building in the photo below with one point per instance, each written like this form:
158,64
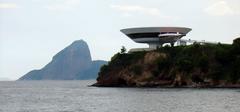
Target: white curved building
156,36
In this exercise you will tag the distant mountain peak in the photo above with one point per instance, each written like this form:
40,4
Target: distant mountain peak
79,48
79,41
68,64
78,44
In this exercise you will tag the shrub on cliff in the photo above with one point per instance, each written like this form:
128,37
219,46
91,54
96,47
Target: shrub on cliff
122,59
184,65
137,69
104,69
236,42
236,46
235,75
123,50
163,63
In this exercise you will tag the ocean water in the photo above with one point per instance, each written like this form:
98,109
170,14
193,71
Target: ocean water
76,96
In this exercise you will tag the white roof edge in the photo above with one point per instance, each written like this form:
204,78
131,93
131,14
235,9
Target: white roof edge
156,29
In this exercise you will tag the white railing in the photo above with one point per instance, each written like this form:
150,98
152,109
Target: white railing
189,41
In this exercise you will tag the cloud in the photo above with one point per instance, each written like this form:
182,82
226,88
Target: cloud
220,8
64,5
133,9
8,6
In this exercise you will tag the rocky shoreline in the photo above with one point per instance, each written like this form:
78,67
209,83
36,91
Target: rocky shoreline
193,66
230,86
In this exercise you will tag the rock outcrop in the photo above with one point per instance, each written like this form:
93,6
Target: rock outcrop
72,63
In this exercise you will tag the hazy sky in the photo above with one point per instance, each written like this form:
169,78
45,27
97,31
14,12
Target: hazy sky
32,31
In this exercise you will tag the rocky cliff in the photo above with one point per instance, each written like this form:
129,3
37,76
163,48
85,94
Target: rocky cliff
72,63
181,66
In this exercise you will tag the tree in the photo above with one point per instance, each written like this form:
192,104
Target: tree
236,42
123,50
236,46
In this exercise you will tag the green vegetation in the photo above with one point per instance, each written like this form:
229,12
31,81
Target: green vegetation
121,60
218,62
215,62
123,50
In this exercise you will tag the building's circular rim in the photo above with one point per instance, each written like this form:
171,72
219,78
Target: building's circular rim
184,30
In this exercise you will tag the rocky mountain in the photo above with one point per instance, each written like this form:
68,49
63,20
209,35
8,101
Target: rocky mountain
72,63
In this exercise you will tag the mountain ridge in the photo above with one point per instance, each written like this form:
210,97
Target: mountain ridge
68,64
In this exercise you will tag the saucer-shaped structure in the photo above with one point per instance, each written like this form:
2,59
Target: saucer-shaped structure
156,36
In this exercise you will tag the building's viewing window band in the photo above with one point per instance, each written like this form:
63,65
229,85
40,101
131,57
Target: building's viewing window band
153,34
143,35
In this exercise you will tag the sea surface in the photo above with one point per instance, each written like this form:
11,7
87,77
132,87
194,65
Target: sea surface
76,96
